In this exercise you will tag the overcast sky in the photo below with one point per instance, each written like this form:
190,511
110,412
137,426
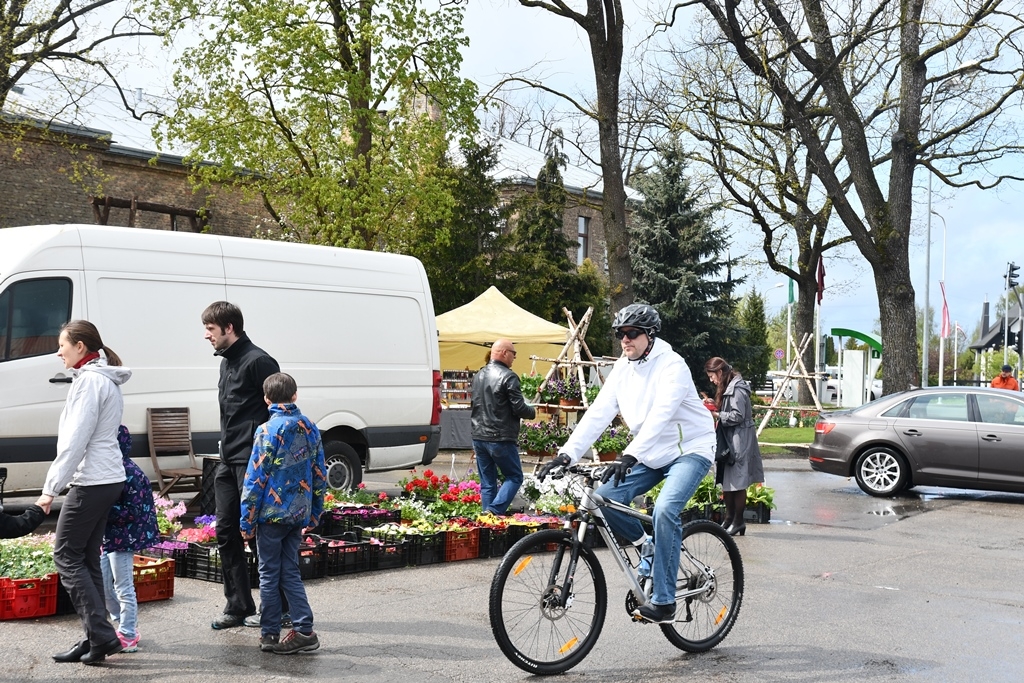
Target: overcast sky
983,229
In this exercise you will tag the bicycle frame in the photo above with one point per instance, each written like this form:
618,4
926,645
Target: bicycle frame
590,506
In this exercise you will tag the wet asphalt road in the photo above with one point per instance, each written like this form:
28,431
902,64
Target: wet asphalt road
839,587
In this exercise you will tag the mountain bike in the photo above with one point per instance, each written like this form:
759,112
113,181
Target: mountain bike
549,596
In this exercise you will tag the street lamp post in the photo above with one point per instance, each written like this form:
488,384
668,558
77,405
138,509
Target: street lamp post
964,68
942,285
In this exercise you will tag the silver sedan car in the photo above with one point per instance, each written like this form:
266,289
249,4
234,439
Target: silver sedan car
961,437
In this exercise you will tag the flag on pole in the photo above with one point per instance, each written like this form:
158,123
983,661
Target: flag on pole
945,311
821,277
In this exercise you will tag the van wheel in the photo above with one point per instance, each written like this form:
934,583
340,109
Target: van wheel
344,470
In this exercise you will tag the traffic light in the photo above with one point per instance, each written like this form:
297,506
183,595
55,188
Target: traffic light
1011,275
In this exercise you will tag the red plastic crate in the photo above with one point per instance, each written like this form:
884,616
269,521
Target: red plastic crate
462,545
27,598
154,579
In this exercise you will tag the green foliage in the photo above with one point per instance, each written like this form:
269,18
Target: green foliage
759,493
543,437
536,271
28,557
677,267
755,337
613,440
318,108
529,384
460,248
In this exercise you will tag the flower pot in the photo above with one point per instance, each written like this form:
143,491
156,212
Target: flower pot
607,456
570,402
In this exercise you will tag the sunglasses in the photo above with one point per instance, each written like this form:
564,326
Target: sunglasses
631,333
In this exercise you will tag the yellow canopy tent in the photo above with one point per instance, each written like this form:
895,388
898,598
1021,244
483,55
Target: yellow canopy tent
466,333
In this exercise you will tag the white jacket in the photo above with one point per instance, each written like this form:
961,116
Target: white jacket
87,450
658,402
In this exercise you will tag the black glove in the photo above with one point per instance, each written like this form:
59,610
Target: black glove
558,462
618,469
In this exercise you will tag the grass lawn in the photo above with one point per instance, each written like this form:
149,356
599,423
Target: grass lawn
787,435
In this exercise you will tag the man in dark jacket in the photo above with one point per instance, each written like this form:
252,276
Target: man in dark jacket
497,405
242,409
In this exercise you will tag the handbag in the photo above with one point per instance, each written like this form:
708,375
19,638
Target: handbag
723,454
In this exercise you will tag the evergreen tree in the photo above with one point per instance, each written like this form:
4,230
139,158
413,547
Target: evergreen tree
459,250
537,272
678,267
755,338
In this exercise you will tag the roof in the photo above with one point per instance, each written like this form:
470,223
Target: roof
493,316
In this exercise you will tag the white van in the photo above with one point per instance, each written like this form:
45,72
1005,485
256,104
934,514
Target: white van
354,328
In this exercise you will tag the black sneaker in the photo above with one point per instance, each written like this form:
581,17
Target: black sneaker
268,642
229,621
294,641
657,614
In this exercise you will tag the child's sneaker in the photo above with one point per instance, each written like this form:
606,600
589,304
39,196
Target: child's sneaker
268,641
295,641
128,644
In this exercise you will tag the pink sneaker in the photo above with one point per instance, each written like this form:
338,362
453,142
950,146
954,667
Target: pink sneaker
128,644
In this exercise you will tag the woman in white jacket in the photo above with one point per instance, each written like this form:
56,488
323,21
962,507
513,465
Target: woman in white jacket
653,390
89,462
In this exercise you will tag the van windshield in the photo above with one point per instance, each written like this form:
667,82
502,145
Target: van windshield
31,315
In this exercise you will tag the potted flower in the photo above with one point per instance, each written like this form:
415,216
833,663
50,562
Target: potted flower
529,384
590,393
611,443
535,437
568,390
706,502
760,503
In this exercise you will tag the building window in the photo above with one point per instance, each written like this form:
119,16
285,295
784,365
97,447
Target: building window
582,239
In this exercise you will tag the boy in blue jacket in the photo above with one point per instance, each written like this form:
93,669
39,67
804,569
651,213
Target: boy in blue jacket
283,494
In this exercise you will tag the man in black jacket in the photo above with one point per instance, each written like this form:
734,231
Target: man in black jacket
497,404
13,526
242,410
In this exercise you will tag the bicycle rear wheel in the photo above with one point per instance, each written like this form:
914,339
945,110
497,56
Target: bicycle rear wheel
704,619
531,628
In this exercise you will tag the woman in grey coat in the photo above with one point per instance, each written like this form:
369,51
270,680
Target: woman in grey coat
738,457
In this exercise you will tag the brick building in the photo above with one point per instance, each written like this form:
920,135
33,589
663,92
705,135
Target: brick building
49,174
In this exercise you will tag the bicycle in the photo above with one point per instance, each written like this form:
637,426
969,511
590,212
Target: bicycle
548,598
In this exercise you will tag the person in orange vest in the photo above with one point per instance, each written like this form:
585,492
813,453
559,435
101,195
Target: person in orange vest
1005,380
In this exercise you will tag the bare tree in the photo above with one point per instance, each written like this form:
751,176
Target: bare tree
603,24
851,80
58,35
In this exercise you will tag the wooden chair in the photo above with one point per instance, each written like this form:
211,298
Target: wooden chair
170,433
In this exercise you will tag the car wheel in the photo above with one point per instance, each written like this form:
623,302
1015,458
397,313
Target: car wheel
881,472
344,469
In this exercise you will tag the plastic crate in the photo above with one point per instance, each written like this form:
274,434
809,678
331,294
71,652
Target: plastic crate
494,542
757,514
462,545
518,531
388,554
204,564
311,559
27,598
179,555
345,555
426,549
154,578
340,520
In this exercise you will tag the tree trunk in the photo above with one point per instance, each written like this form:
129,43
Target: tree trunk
803,323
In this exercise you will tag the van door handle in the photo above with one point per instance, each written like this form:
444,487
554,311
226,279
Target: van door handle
61,379
990,437
911,432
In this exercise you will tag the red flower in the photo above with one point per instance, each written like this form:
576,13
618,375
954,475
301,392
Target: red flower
408,487
361,486
428,473
383,496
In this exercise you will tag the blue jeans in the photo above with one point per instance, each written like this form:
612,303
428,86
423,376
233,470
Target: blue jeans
493,457
278,547
682,476
119,585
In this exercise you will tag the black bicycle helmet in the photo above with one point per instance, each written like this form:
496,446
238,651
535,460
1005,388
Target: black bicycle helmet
638,315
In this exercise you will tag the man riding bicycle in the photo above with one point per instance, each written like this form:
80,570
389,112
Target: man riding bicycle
674,439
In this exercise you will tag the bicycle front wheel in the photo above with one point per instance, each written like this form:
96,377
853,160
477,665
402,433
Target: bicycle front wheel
532,626
714,581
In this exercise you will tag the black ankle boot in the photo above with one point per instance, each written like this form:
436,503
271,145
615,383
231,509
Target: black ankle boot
74,654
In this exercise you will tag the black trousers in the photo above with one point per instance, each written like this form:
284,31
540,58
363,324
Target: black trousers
76,552
227,491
